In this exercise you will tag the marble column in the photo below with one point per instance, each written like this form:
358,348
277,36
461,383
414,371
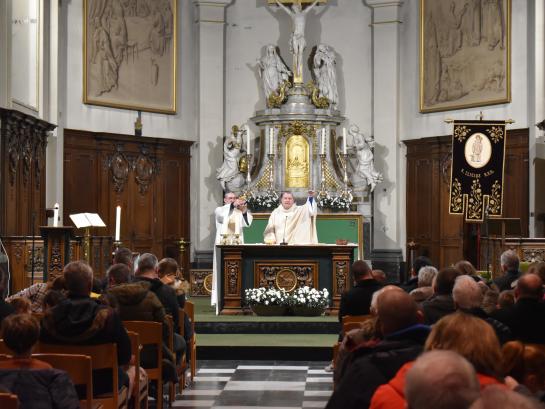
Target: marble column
210,50
387,240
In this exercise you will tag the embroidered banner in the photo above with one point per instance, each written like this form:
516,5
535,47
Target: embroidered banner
476,182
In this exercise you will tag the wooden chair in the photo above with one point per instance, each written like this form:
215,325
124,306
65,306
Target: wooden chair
79,369
8,401
170,329
142,400
351,322
3,348
151,333
103,356
189,309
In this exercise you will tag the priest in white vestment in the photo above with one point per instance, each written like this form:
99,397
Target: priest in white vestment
231,218
292,224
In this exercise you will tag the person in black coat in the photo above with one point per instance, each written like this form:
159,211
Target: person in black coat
357,300
369,367
527,317
412,282
441,302
509,262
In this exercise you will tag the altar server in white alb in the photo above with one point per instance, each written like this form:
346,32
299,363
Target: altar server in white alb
292,224
231,218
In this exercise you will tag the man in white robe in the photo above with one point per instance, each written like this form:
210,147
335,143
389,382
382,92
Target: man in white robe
231,218
292,224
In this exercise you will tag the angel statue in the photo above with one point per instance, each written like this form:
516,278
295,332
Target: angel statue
297,39
272,70
365,167
229,174
325,73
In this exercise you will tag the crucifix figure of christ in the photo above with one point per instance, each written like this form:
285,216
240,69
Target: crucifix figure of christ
297,40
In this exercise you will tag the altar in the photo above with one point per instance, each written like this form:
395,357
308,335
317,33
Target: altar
260,265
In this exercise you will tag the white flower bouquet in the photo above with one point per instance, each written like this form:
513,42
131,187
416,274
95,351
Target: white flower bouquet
333,202
265,201
265,296
309,297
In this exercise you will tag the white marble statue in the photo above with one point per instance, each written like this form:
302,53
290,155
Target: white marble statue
272,71
325,73
297,40
229,175
365,167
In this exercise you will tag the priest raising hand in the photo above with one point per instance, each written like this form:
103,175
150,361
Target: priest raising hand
292,224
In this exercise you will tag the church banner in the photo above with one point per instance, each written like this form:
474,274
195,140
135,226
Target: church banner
476,182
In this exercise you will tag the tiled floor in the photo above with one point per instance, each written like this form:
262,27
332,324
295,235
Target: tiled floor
264,384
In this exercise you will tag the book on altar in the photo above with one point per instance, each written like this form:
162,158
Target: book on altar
82,220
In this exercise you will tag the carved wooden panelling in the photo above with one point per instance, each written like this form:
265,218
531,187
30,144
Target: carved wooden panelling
288,274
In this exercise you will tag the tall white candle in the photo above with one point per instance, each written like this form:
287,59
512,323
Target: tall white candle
271,141
344,141
322,148
247,139
117,222
56,215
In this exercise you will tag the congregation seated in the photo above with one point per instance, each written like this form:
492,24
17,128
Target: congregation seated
51,299
20,305
357,300
135,302
509,264
450,333
497,397
79,319
35,382
441,302
466,268
418,263
526,318
467,296
147,271
424,291
369,367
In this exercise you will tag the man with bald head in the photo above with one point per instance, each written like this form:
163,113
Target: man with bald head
403,340
527,317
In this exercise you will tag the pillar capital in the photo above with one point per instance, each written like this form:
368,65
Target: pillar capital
210,11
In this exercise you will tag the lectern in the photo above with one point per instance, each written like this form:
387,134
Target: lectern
56,249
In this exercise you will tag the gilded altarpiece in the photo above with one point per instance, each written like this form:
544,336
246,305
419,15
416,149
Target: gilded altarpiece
297,168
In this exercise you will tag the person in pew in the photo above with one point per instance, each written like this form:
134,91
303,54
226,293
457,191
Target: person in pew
36,384
36,292
147,271
441,303
51,299
21,305
509,263
526,318
170,274
292,224
135,302
79,319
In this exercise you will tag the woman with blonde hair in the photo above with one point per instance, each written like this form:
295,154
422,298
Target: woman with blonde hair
470,337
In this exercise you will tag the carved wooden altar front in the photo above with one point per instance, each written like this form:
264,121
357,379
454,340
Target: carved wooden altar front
288,267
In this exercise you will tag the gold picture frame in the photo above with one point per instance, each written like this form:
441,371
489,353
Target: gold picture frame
129,55
465,54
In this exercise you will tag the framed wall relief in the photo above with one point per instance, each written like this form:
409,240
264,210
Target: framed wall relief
465,53
129,58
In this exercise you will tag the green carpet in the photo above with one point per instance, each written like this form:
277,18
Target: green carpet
266,340
204,312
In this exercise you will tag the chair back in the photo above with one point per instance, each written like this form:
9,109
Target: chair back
79,369
3,348
351,322
141,391
8,401
103,356
151,333
189,309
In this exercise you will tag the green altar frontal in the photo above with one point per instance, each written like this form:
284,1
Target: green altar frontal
330,226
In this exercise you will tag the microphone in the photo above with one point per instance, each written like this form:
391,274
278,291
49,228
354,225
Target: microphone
284,238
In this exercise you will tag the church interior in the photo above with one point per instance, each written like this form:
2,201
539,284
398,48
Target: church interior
223,193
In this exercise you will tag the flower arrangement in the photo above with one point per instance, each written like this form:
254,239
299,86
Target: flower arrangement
265,296
265,201
333,202
309,297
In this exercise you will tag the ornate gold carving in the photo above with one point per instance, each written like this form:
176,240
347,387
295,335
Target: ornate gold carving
494,201
297,163
317,100
307,129
200,282
475,201
286,279
277,98
456,199
496,133
460,132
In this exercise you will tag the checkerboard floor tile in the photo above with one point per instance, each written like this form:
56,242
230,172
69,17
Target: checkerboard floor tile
254,385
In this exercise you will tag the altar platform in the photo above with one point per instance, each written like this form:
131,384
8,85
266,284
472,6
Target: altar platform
253,337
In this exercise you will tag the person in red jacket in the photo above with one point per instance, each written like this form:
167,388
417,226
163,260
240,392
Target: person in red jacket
471,337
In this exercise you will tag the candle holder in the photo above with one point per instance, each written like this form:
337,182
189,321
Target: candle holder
248,192
117,245
322,193
346,193
270,185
